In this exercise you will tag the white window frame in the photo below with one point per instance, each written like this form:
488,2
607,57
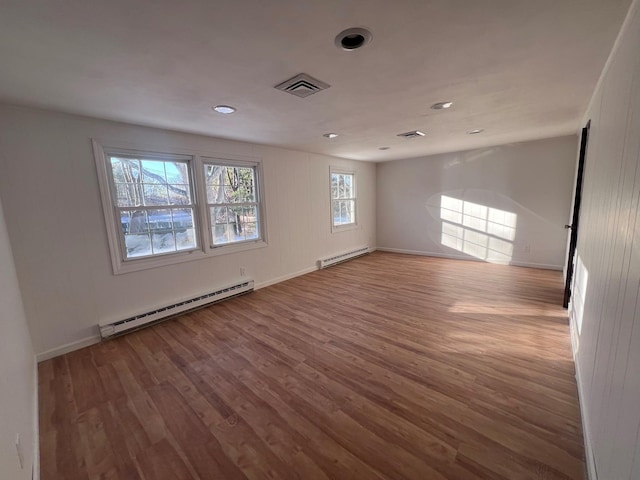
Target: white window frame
244,244
347,226
196,161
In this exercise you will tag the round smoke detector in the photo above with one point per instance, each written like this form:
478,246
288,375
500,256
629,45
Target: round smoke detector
353,38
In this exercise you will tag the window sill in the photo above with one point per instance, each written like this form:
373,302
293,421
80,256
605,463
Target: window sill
147,263
235,248
344,228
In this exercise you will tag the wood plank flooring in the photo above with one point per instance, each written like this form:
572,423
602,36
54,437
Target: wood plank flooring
386,367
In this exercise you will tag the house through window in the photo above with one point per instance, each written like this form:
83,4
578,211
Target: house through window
154,205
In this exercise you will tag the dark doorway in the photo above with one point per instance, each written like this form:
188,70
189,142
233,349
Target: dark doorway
576,214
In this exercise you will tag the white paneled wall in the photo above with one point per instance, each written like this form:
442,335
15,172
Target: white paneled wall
18,383
54,216
605,310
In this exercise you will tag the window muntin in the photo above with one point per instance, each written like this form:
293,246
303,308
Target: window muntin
233,202
153,205
343,199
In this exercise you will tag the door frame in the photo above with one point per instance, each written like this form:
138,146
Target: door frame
575,220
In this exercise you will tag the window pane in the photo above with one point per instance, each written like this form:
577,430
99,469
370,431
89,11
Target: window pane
155,194
182,218
129,194
336,212
138,223
160,220
342,186
227,184
137,245
163,242
248,223
153,172
228,195
183,226
213,179
347,186
234,224
177,172
343,212
212,174
350,211
125,170
235,221
179,194
116,169
219,225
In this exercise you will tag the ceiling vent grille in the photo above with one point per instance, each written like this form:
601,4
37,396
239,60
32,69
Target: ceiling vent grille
302,85
412,134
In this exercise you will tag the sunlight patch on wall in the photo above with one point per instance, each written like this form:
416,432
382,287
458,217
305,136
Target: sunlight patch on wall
580,283
478,230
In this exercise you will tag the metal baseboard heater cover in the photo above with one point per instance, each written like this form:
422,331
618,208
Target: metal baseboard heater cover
343,257
108,330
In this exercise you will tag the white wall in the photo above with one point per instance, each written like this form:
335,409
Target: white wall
532,180
54,216
605,317
17,372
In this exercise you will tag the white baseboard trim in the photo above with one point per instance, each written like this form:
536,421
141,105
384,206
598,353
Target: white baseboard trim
69,347
454,256
299,273
289,276
590,460
92,340
543,266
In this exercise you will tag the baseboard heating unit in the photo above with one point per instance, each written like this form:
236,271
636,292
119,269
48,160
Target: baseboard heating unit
108,330
343,257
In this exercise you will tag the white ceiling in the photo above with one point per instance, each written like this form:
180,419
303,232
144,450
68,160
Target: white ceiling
521,70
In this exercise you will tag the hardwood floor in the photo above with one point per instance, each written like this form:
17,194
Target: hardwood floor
385,367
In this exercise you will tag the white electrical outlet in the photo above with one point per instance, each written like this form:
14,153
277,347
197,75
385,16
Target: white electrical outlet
527,248
242,271
20,452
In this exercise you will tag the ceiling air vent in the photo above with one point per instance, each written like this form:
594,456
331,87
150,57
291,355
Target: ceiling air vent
302,85
412,134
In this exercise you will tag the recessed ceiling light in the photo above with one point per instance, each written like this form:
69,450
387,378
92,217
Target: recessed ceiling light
330,135
442,105
224,109
353,38
384,148
474,131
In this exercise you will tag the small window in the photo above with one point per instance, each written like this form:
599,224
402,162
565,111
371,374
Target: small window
233,202
343,199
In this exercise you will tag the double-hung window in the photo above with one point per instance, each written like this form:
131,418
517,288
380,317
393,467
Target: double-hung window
343,199
165,208
153,204
232,202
